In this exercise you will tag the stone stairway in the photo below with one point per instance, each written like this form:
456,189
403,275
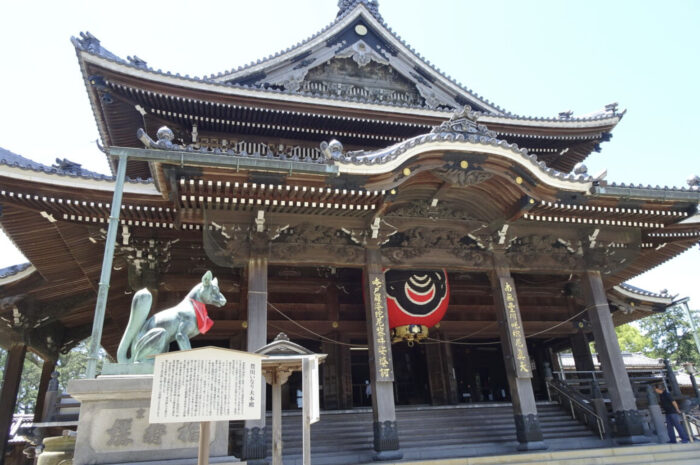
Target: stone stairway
659,454
429,433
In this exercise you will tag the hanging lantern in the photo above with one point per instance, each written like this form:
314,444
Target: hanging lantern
416,301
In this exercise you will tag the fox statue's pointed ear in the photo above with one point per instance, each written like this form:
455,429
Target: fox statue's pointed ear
206,279
215,282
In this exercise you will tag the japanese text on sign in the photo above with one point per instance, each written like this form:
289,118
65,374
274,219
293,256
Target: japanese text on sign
516,335
381,342
206,384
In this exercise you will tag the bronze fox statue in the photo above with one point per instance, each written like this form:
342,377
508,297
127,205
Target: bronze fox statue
141,341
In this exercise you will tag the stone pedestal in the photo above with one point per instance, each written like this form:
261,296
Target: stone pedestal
58,450
113,426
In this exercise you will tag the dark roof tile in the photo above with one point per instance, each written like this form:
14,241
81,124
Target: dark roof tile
13,270
63,167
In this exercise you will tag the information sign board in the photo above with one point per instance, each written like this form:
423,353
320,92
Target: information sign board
207,384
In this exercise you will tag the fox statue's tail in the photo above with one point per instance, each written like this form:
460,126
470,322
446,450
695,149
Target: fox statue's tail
140,306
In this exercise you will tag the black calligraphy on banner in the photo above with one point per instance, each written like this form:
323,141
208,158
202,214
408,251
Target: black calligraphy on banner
380,327
516,334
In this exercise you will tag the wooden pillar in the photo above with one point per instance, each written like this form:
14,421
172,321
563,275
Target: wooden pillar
580,348
581,351
436,380
516,358
330,369
8,394
253,450
628,421
47,369
381,367
331,381
345,370
539,383
443,384
453,393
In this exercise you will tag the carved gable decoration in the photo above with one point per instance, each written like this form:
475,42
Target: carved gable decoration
372,81
462,177
362,54
544,250
420,241
423,209
313,240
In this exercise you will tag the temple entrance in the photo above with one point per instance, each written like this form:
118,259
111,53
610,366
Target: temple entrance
361,394
481,374
411,384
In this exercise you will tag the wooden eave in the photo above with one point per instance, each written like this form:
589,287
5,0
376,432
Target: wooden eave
226,110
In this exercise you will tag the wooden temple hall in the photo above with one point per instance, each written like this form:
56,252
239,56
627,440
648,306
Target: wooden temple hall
438,248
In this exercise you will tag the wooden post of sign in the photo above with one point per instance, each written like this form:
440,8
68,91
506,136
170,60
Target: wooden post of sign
204,437
306,412
276,419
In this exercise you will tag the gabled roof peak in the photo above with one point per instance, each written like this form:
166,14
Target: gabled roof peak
344,6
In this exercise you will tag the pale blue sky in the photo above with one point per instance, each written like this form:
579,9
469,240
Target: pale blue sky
534,58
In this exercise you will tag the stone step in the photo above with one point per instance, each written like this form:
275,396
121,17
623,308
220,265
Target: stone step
459,436
346,437
666,454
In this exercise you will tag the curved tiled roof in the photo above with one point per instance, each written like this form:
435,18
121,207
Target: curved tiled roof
13,270
90,44
13,160
391,153
643,292
649,186
346,8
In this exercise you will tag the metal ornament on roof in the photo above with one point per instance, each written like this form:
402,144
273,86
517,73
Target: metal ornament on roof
464,121
416,301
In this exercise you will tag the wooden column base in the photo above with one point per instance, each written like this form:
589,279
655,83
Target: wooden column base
529,433
629,428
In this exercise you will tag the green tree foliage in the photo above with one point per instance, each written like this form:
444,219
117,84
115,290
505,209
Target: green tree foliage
631,339
28,388
69,366
671,335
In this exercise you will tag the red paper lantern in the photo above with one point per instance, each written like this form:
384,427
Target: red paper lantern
416,301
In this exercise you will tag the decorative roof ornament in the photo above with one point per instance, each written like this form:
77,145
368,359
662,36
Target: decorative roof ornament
136,61
165,137
694,181
345,6
89,42
611,108
362,54
464,121
68,166
565,114
580,169
332,150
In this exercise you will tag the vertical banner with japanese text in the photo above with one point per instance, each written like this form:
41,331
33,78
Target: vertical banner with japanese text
514,330
383,366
